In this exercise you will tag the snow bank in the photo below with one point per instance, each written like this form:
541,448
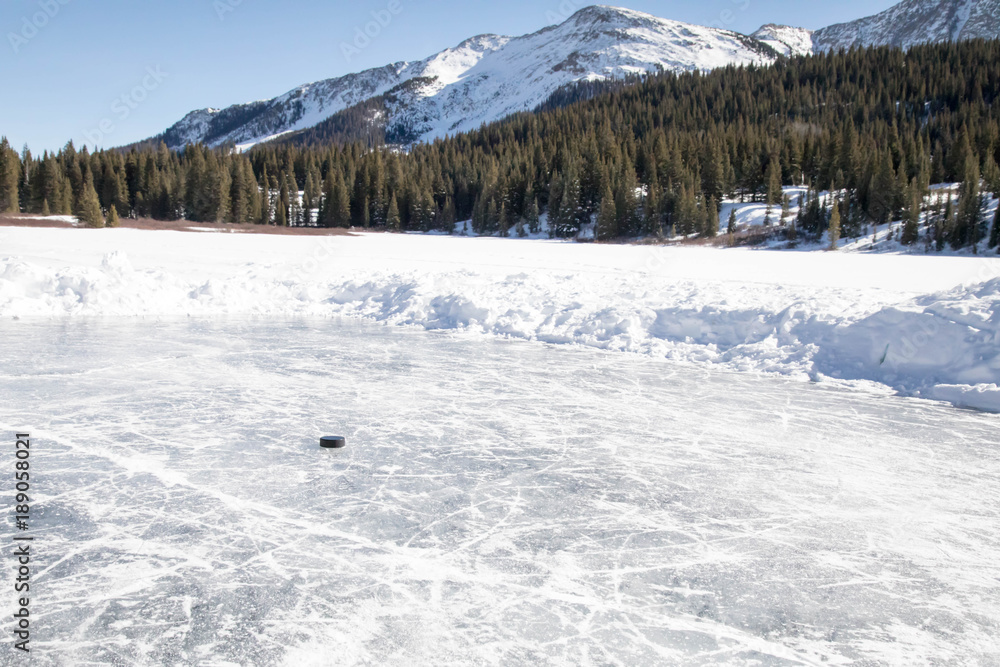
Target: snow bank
924,326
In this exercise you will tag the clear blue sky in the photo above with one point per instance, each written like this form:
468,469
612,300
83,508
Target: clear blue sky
62,80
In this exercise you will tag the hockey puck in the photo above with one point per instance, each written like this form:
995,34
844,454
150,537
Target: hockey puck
333,442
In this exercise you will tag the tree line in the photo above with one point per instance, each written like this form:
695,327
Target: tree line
654,157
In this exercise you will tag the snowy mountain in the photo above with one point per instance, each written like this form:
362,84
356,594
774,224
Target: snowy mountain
483,79
914,22
786,40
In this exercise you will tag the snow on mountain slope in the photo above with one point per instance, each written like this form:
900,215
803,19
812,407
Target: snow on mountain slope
914,22
786,40
485,78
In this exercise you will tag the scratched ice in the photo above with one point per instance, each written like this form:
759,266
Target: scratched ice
499,503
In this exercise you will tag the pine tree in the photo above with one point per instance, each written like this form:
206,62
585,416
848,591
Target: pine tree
991,175
392,219
296,212
970,203
712,218
113,220
911,229
946,225
995,232
504,220
266,208
10,177
534,218
835,225
773,182
449,216
569,208
88,208
731,227
627,203
607,216
337,204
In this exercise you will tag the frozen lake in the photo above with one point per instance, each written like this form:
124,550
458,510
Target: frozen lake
498,503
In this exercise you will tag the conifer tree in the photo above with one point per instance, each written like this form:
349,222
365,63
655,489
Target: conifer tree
24,185
10,176
393,220
946,226
731,227
970,203
569,207
607,216
995,231
712,218
88,208
238,204
835,225
337,209
627,203
296,212
911,228
534,221
773,182
113,220
504,220
449,216
991,175
266,208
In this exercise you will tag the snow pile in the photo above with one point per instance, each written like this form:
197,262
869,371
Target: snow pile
943,346
924,326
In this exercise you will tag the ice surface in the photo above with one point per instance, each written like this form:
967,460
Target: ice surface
498,503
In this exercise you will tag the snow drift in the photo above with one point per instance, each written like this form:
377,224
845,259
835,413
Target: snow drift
819,316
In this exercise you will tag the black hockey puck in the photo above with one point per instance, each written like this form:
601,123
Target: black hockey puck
333,442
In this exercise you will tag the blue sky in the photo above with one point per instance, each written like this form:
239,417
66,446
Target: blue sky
121,70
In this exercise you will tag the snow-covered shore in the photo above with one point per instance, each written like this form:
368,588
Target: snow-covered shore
920,325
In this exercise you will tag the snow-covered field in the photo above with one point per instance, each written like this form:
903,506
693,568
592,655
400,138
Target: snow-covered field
918,325
499,503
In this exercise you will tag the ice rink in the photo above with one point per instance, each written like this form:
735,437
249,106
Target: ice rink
499,502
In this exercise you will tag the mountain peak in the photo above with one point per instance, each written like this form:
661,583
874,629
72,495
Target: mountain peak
786,40
483,79
606,15
914,22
